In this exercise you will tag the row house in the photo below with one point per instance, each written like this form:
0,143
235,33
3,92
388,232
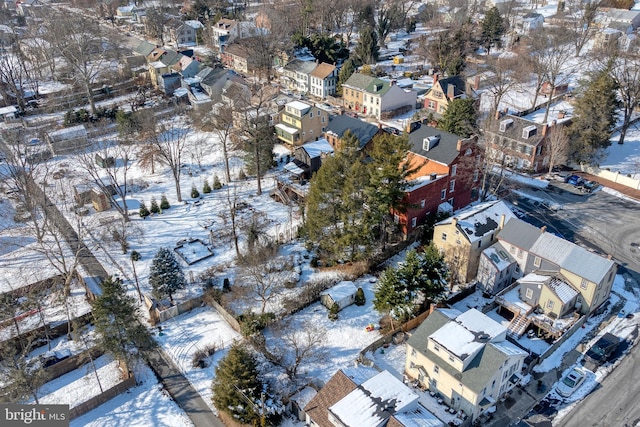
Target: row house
518,143
226,31
183,33
323,80
339,125
301,122
465,358
463,236
295,75
446,175
375,97
445,90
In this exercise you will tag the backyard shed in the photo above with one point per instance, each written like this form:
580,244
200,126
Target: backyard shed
343,294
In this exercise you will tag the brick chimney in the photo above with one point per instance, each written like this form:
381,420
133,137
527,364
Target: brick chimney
476,82
545,129
451,91
454,221
543,229
502,220
459,145
435,78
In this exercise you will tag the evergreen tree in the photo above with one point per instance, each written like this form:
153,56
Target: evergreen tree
164,203
144,212
206,188
266,141
367,50
391,296
216,183
116,321
194,192
387,182
333,312
347,69
166,276
594,118
360,298
154,206
236,381
460,118
493,27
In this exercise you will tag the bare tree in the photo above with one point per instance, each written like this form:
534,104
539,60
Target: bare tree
625,70
505,71
557,146
232,204
292,347
583,21
549,50
222,121
107,168
21,376
169,141
261,281
83,47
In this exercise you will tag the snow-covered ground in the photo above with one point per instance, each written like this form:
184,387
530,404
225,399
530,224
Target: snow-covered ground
190,332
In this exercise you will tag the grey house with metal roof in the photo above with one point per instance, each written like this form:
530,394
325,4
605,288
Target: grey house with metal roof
465,358
339,125
533,250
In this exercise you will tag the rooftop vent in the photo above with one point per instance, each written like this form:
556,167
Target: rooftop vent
429,142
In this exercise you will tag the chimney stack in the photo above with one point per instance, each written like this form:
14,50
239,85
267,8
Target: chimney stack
502,220
545,129
451,91
497,115
543,228
454,221
476,82
435,78
459,145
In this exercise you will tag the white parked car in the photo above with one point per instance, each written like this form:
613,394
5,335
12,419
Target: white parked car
570,382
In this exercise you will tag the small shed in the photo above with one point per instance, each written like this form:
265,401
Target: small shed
9,113
68,140
343,294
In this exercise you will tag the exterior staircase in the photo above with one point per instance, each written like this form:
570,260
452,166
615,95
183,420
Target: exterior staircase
518,326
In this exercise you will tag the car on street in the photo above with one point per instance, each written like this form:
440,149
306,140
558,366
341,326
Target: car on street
574,180
571,382
601,351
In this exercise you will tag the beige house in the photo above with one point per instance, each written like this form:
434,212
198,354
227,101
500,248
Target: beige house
465,358
375,97
463,237
301,122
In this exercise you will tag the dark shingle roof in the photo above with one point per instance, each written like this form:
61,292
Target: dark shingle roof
457,82
520,234
362,130
300,66
336,388
445,152
514,130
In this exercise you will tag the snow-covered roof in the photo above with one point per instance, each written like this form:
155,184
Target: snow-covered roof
298,105
293,168
317,148
562,289
508,349
468,333
11,109
418,417
375,401
498,256
478,220
195,24
78,131
287,129
304,396
341,290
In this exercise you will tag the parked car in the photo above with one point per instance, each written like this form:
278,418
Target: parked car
574,180
602,350
392,130
571,382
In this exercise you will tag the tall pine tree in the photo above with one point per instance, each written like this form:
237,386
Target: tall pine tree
166,275
493,27
347,69
236,387
460,118
116,321
595,113
367,49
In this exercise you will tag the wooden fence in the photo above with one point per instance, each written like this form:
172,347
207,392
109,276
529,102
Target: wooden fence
98,400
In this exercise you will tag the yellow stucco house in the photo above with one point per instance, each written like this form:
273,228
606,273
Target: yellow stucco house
464,357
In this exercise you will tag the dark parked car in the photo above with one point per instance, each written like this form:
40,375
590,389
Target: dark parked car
574,180
601,351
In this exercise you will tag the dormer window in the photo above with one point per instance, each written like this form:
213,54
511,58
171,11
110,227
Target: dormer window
529,131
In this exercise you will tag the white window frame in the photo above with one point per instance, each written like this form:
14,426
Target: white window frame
536,261
529,293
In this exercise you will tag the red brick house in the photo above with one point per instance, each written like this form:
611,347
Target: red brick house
446,176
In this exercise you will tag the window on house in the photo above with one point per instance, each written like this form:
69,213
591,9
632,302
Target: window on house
479,243
413,352
454,169
436,369
443,194
512,249
536,261
451,359
492,235
458,242
520,253
414,221
422,203
436,347
412,365
550,304
431,105
311,115
584,283
323,119
529,293
452,186
444,237
476,175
